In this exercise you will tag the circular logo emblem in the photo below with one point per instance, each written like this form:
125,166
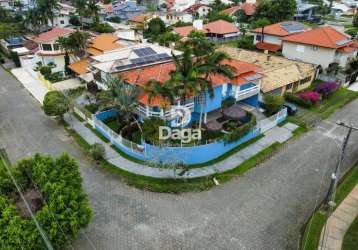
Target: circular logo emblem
181,116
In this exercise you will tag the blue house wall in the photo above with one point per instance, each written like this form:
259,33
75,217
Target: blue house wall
211,103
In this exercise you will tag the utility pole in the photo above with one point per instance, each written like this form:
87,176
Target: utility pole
329,200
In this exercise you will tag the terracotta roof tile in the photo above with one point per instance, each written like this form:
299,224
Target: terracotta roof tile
216,27
276,29
231,11
268,46
140,18
52,35
248,8
79,67
325,36
105,42
193,8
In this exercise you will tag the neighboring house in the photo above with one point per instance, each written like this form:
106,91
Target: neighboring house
48,50
63,15
127,10
125,33
106,10
219,30
6,4
15,44
280,75
248,8
97,46
270,37
140,20
305,10
198,10
172,17
323,46
244,88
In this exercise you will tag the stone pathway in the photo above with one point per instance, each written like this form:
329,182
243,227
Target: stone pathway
276,134
339,222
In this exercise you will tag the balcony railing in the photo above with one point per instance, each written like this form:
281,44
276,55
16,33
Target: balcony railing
246,93
166,115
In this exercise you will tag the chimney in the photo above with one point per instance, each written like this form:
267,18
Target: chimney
198,24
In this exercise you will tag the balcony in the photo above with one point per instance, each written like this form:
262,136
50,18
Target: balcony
146,111
245,93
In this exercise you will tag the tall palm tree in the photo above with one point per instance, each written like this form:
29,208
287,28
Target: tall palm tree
81,6
123,98
35,19
47,9
212,64
74,44
93,10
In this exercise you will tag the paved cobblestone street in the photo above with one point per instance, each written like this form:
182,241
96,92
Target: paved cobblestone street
263,209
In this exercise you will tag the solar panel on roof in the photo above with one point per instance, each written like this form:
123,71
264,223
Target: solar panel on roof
292,27
147,51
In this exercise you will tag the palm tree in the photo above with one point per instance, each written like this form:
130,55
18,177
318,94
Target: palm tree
47,9
93,10
123,98
212,64
34,18
74,44
80,6
155,88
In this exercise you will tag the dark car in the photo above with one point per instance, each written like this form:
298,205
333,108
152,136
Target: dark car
291,108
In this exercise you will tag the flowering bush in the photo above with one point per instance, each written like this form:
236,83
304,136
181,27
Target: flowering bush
312,96
327,88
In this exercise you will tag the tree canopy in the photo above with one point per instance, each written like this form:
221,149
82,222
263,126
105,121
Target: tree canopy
55,104
156,27
276,10
64,210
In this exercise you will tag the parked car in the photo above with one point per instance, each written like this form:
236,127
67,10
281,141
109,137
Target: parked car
291,108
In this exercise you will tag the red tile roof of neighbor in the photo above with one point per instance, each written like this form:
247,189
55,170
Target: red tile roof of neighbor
52,35
275,29
248,8
325,36
193,8
160,72
216,27
268,46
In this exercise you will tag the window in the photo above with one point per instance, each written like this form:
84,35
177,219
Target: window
62,22
314,47
258,38
56,47
300,48
46,47
289,86
305,80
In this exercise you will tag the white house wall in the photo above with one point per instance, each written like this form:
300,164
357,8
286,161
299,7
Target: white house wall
268,39
307,53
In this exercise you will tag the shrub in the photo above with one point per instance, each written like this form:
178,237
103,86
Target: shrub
246,42
151,129
46,71
97,151
102,28
64,206
298,100
327,88
311,95
93,107
55,104
273,103
241,131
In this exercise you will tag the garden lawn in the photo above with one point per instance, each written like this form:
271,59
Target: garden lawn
350,241
314,226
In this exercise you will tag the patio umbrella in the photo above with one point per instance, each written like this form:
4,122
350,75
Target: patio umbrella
235,112
214,126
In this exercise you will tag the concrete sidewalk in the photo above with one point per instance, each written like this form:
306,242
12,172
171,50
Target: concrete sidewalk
338,223
32,84
277,134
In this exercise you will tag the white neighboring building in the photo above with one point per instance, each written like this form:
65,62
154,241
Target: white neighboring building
323,46
198,10
48,50
270,37
172,17
63,15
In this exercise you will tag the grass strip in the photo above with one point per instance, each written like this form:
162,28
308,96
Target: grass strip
312,233
350,240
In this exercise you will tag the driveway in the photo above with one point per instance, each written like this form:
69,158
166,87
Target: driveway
264,209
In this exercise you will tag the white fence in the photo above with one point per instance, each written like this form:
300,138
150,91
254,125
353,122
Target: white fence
272,121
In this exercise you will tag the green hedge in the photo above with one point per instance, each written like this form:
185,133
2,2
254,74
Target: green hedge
241,131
